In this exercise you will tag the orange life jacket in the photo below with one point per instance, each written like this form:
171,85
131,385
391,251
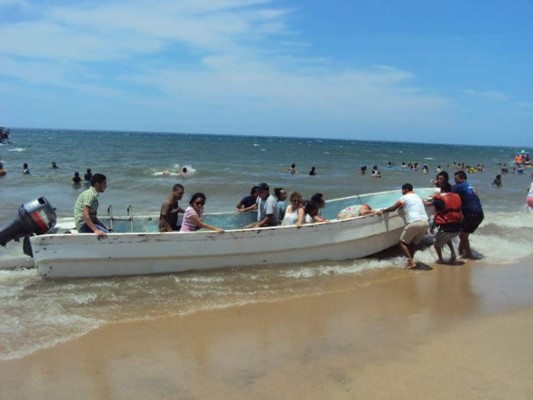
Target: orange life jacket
451,214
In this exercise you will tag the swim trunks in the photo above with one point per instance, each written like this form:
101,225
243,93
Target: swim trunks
471,222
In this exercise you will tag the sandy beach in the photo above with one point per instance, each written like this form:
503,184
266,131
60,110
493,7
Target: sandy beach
446,333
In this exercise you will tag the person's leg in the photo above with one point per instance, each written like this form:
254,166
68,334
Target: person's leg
437,244
453,256
452,252
438,249
464,245
406,249
85,229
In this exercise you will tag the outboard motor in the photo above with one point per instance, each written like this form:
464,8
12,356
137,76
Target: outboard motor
35,217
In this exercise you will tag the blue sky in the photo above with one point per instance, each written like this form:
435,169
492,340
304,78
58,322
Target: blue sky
422,71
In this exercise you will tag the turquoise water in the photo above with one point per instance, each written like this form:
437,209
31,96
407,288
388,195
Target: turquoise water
38,313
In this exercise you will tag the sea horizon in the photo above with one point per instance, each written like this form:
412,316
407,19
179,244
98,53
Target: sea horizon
303,137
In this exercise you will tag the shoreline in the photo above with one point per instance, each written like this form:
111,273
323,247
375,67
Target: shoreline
453,332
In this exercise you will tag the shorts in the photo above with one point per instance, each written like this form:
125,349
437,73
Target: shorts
414,232
530,201
441,238
471,222
85,228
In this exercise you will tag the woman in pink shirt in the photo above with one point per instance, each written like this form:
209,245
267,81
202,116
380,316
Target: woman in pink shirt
192,219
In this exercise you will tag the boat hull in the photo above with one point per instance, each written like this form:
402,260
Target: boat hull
121,254
84,255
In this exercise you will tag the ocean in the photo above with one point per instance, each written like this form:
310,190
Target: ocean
141,168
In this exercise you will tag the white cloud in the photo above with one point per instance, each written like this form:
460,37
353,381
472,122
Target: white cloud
18,3
488,94
227,55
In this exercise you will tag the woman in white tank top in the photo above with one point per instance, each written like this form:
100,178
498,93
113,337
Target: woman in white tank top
294,214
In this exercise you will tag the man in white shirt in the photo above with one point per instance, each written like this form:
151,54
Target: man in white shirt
417,222
267,207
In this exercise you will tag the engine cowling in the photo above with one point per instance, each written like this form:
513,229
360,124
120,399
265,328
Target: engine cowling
34,217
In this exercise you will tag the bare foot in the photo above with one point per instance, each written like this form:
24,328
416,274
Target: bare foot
440,262
411,265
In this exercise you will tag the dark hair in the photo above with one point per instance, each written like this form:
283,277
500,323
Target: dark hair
461,174
97,178
407,186
263,186
197,195
446,187
253,190
444,174
277,192
318,199
176,186
311,208
76,173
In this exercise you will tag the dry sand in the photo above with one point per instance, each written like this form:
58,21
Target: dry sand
449,333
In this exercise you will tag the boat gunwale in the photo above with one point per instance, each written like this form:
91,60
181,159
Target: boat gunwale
152,217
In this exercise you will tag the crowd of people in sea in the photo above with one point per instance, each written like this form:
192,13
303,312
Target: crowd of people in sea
424,168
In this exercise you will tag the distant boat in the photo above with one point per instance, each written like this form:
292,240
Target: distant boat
4,135
523,159
135,247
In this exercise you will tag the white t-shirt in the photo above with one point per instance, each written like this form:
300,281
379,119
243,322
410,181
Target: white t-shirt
267,207
413,207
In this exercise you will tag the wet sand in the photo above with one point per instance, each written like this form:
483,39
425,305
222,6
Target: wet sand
459,332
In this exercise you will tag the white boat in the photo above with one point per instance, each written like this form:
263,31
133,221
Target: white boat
143,250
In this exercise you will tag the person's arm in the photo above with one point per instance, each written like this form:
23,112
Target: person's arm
251,208
394,207
301,217
265,221
90,223
318,218
198,222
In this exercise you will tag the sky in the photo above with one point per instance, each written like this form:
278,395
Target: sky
443,71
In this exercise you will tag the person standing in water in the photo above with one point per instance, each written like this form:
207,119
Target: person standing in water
472,212
417,222
292,169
